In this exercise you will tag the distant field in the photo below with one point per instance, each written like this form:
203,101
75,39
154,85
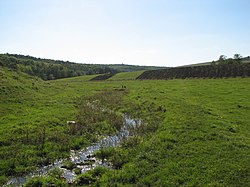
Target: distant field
195,132
76,79
125,76
245,60
130,68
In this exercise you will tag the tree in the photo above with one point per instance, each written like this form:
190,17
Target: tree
237,58
222,58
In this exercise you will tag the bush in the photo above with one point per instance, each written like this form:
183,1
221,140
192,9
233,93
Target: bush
99,171
69,165
85,179
35,182
3,180
104,153
91,177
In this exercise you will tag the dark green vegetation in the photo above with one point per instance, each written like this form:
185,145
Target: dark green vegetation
130,68
194,132
48,69
208,71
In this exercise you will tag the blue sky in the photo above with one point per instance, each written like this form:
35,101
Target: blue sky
142,32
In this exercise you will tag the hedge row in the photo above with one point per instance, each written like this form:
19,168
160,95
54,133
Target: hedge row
209,71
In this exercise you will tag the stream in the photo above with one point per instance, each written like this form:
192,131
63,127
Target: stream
81,156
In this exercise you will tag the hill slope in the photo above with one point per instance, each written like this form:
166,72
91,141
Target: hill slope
48,69
29,106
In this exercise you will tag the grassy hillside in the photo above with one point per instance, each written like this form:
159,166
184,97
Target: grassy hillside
30,106
125,76
42,100
194,133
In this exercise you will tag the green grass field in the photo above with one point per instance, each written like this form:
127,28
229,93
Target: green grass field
125,76
202,139
195,132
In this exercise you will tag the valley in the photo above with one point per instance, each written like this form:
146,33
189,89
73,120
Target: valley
195,132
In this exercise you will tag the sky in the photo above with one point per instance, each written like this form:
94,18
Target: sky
138,32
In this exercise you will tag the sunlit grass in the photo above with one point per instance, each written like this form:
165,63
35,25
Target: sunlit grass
125,76
196,131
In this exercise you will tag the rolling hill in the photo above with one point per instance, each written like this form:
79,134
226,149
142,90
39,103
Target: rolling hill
48,69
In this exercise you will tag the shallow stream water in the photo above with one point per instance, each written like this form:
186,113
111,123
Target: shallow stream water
81,156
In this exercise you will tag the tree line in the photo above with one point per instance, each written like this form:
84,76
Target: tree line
237,59
48,69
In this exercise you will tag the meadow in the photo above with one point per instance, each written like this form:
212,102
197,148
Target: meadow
125,76
195,132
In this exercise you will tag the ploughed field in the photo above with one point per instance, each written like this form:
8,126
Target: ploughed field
194,132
